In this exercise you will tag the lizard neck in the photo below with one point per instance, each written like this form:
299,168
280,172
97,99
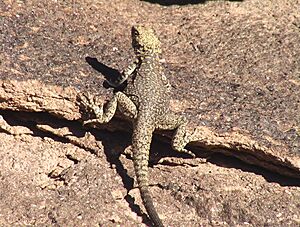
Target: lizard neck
151,57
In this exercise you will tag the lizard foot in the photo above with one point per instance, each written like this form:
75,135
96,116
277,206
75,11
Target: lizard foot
93,106
188,152
183,150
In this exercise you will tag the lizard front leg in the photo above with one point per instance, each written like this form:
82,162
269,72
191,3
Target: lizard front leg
105,114
124,75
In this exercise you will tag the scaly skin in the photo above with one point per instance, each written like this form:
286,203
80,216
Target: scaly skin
145,101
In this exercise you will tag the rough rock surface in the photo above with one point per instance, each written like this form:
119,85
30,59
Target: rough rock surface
235,72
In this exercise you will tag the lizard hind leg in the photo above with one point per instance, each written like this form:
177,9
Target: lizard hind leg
180,138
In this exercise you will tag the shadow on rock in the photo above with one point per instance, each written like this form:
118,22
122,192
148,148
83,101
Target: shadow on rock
109,73
184,2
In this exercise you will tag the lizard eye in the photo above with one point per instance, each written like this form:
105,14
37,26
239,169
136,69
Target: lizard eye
135,32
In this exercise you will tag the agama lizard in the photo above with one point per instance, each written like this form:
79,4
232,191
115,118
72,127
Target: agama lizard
145,100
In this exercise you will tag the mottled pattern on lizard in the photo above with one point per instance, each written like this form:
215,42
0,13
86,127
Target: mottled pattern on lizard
145,101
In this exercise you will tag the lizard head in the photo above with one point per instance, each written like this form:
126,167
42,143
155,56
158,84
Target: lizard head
144,41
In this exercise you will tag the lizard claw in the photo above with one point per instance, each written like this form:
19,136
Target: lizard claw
188,152
93,121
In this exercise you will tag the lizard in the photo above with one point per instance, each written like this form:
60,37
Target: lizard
145,101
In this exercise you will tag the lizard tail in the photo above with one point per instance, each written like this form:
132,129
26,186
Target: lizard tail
141,140
148,203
